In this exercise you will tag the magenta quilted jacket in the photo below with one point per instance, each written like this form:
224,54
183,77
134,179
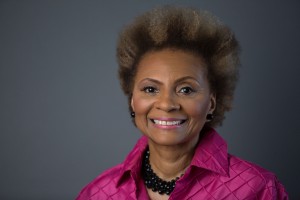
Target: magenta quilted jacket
213,175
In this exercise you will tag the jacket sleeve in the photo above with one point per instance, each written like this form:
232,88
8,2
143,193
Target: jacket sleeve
280,190
273,190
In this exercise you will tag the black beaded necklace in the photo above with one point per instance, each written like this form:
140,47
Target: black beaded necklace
153,182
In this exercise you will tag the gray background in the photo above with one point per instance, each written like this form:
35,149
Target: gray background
64,119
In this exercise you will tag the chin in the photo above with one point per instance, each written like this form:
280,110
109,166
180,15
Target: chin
168,139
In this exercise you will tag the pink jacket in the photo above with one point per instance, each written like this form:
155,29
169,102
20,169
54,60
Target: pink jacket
213,174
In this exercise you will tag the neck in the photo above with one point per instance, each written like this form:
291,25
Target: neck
169,162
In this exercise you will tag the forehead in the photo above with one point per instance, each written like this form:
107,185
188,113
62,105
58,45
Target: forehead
168,62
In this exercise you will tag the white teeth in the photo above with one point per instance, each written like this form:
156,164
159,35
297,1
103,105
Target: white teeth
167,123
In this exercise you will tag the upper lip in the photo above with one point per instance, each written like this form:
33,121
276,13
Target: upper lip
167,118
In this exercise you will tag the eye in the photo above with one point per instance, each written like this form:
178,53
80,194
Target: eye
150,89
186,90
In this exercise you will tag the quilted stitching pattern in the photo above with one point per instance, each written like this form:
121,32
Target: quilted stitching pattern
213,175
104,187
244,182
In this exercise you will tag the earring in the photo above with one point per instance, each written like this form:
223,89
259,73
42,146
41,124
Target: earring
132,114
209,117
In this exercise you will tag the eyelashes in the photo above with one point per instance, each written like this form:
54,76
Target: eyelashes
150,89
186,90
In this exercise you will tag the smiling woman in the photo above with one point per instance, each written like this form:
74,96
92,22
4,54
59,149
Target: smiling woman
179,68
171,98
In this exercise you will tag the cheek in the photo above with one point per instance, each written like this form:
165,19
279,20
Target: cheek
140,106
197,109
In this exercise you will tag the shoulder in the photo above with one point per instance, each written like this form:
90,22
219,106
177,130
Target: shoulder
259,182
117,182
102,186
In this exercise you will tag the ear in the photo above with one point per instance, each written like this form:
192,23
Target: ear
131,103
213,103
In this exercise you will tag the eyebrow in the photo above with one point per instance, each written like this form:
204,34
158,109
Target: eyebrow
185,78
177,81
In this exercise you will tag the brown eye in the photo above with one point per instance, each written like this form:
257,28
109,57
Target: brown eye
150,89
186,90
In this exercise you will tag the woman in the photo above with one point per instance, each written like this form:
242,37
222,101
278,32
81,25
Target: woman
179,68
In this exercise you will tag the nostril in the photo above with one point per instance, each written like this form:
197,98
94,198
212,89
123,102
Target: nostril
167,102
168,106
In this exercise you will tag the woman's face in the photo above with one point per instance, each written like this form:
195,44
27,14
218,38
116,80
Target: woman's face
171,97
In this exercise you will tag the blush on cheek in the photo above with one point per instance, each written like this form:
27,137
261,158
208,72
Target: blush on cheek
141,106
197,109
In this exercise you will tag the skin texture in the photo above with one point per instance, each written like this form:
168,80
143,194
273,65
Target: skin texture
171,85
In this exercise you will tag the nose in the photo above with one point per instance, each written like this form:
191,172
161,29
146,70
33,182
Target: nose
167,102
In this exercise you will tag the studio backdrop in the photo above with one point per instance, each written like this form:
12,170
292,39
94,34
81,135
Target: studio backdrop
64,118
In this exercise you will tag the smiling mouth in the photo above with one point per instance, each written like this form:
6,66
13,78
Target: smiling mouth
168,123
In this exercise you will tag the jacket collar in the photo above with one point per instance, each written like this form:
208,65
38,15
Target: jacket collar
133,162
210,154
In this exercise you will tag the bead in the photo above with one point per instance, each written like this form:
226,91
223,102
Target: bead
153,182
